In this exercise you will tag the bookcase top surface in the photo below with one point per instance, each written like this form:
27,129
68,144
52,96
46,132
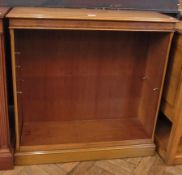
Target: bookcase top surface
88,14
3,11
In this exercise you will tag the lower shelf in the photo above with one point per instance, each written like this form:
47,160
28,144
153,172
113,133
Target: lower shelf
82,134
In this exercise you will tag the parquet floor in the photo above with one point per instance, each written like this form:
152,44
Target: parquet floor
135,166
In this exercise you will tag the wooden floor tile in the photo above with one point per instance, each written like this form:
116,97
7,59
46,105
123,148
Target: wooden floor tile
82,168
95,170
68,167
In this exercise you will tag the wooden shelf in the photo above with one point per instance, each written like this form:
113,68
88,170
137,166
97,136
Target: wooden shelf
82,133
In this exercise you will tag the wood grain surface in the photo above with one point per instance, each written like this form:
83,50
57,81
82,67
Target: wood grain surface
3,11
88,14
6,158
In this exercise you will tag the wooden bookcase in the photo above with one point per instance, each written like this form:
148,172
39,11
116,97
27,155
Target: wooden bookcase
87,83
169,130
6,157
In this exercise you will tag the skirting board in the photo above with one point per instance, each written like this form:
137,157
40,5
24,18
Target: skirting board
59,156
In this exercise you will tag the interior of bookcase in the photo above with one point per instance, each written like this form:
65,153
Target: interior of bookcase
87,87
163,132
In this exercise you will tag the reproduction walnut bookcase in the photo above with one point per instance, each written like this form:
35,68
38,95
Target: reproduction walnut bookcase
87,83
6,157
169,127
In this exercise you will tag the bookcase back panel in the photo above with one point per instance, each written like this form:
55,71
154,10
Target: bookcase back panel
79,75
